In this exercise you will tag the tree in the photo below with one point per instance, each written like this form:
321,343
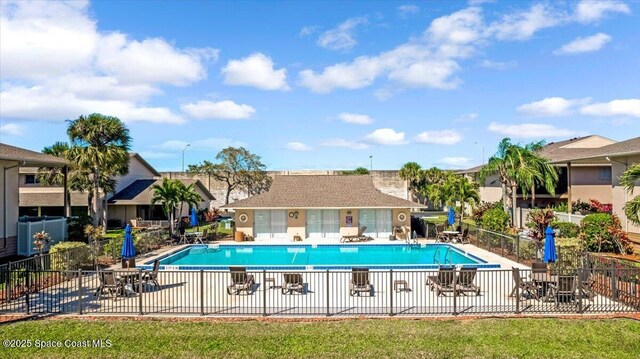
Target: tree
628,180
189,195
100,146
411,172
238,168
519,167
168,195
358,171
459,189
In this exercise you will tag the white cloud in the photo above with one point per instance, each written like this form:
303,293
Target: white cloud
467,117
431,73
592,10
57,65
621,107
406,10
298,146
524,24
530,130
386,136
446,137
456,162
498,65
342,36
207,144
584,44
355,118
551,106
339,142
255,70
308,30
223,110
383,94
12,129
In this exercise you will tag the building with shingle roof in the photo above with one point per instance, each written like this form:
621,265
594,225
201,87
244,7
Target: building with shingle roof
321,206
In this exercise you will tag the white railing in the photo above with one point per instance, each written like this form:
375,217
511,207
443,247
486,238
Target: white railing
57,229
568,217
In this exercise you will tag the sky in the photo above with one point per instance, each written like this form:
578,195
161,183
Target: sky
324,84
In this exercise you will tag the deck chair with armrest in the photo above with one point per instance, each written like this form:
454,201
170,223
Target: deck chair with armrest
440,236
563,290
360,282
465,281
464,237
111,284
152,276
528,289
442,283
293,283
539,267
357,237
240,281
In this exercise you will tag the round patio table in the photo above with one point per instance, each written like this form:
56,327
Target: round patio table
451,235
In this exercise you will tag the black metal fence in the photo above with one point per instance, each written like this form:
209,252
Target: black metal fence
322,293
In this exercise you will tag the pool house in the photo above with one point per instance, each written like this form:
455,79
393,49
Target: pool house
321,207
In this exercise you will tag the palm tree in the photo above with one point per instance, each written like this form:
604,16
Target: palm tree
497,164
410,172
461,189
168,195
99,146
628,180
189,195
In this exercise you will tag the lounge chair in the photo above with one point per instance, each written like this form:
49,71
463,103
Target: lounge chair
293,283
359,237
464,238
528,289
443,282
465,281
563,290
360,282
152,276
109,283
240,281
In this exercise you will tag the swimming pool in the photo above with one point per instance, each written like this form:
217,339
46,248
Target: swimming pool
319,257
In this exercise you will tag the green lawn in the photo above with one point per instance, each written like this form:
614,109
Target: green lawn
374,338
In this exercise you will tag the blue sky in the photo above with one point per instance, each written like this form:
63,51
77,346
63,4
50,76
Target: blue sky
322,85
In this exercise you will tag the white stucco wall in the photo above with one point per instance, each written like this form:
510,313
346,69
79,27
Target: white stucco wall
11,199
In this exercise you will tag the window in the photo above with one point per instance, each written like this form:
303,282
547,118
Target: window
31,179
605,174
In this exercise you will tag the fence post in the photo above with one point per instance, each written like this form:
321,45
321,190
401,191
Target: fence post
391,292
517,288
614,283
140,288
27,289
264,293
580,289
502,246
455,293
201,291
80,291
327,290
8,285
518,248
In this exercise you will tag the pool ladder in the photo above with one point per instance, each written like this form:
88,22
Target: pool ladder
412,242
447,257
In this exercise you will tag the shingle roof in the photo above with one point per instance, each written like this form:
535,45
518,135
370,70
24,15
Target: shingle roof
309,191
51,199
628,147
32,158
141,191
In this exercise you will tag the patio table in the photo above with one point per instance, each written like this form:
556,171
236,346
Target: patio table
193,237
451,235
545,279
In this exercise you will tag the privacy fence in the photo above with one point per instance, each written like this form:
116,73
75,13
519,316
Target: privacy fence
448,291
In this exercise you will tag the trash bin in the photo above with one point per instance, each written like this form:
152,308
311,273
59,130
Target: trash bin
239,237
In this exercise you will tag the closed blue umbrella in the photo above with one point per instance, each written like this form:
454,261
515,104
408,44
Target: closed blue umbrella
549,246
128,250
193,220
452,216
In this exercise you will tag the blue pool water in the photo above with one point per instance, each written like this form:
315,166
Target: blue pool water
319,257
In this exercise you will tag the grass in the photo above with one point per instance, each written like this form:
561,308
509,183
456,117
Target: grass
479,338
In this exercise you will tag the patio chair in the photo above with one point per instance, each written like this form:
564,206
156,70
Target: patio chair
465,281
587,285
539,267
527,288
109,283
443,282
360,282
240,281
464,238
152,276
563,290
359,237
293,283
440,236
203,236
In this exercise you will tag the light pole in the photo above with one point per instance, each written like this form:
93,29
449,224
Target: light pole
482,147
371,166
185,148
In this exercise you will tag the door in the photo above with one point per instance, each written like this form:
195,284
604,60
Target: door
279,224
314,223
367,217
383,222
331,223
262,224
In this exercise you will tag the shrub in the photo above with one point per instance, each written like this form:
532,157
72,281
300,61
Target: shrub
537,222
602,232
561,207
567,229
479,211
495,219
597,206
113,246
70,255
569,252
76,228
